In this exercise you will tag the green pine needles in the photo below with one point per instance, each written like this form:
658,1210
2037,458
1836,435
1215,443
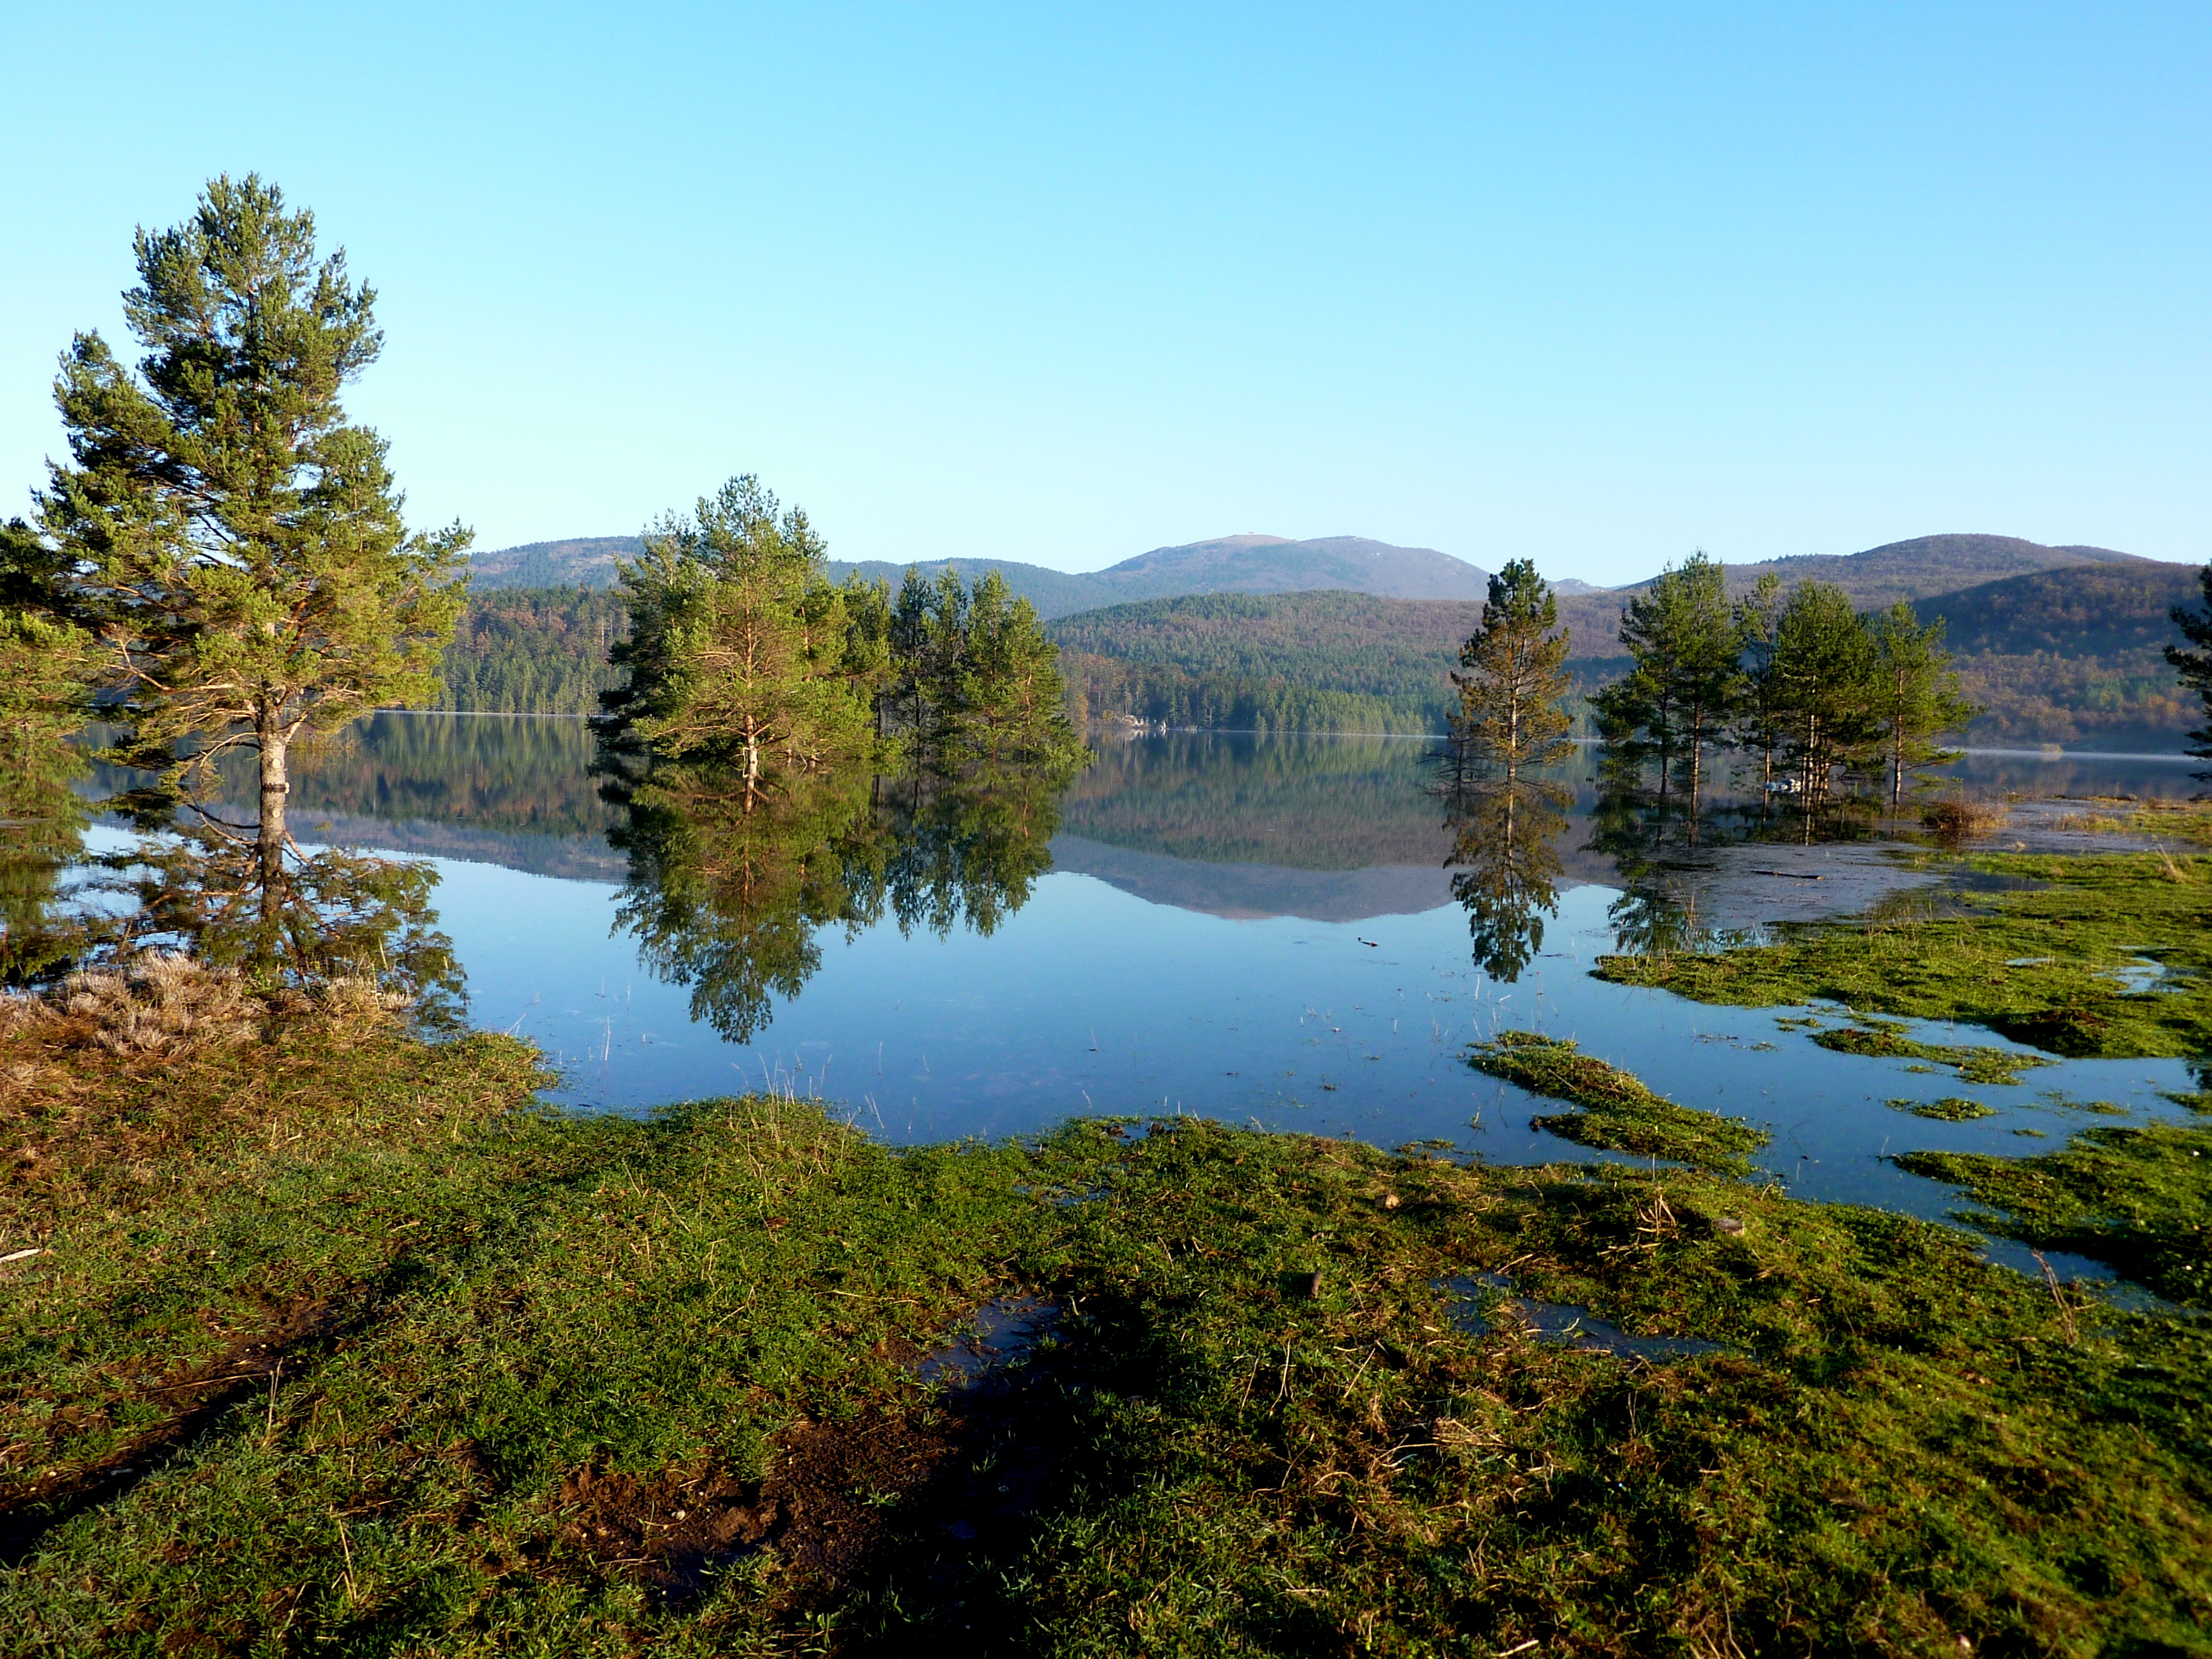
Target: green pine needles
1802,681
1511,718
742,654
229,542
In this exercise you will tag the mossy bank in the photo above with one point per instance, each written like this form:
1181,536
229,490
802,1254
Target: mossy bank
352,1349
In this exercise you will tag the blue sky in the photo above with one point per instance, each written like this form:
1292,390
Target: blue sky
1594,284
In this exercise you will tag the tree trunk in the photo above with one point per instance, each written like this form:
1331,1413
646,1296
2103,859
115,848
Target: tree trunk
269,835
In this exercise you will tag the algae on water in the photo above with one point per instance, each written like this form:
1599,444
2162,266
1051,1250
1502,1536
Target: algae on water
1619,1114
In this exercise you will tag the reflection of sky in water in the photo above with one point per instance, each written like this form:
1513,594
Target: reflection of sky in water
1135,981
1090,1000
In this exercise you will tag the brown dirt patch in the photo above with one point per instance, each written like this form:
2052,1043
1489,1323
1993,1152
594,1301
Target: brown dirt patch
961,1467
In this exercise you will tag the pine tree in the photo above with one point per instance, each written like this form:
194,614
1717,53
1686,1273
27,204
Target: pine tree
1912,694
1676,699
1510,716
1756,700
1009,703
233,543
738,647
1823,664
2196,666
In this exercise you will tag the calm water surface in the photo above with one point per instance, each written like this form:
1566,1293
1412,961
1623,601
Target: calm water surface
1260,931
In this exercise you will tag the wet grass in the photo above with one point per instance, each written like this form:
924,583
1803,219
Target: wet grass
2138,1198
349,1348
1952,1109
1887,1039
2044,965
638,1326
1619,1113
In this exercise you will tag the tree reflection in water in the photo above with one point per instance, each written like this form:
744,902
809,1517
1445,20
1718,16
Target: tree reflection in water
729,888
332,924
1505,850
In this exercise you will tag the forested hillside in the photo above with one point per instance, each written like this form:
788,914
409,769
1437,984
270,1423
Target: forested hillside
2073,656
1310,662
2070,655
537,651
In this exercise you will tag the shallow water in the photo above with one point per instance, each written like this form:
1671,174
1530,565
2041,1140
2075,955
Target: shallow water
1260,931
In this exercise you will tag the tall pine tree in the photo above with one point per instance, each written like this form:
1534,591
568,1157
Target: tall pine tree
1510,715
233,543
1675,700
740,647
1913,696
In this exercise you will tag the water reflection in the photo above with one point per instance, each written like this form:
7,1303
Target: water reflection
728,888
1506,852
327,919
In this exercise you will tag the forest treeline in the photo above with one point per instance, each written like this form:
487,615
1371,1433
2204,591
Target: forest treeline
2070,656
534,651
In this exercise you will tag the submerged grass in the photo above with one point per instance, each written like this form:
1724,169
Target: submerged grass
1885,1039
2044,965
1952,1109
2138,1198
1619,1114
461,1376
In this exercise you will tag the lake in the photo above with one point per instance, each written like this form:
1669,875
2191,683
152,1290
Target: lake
1262,931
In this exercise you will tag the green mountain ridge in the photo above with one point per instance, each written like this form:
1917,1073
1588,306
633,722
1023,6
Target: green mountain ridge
2063,645
1227,564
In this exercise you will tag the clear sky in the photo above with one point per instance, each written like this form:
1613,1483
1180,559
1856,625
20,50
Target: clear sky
1595,284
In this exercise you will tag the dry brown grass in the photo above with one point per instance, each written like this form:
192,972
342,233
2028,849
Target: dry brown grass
160,1003
1961,817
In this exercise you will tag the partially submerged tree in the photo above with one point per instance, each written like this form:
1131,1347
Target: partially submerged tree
1823,667
1511,716
1008,702
1758,727
2196,666
1913,696
739,646
232,542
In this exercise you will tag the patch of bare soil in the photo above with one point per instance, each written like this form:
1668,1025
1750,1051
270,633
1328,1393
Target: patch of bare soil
960,1468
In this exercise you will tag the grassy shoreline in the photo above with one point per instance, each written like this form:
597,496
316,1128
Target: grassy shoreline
338,1342
469,1377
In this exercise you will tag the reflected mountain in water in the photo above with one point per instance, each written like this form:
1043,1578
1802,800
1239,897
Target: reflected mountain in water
1327,829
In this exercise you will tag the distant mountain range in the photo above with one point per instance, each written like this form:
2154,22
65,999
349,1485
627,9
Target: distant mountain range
2059,644
1911,570
1228,564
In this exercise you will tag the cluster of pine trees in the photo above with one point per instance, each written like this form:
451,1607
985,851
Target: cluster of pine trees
1801,682
741,653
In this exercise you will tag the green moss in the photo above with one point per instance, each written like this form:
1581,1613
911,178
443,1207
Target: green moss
1904,1449
1883,1039
1620,1113
2137,1198
2035,965
1952,1109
